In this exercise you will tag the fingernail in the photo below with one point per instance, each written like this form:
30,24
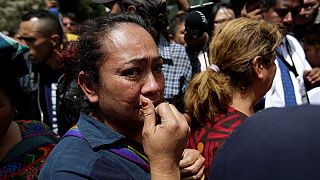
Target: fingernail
144,104
144,101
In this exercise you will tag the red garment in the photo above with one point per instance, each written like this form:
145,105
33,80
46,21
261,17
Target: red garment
208,138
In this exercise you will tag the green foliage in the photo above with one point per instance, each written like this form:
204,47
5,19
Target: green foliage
83,9
11,11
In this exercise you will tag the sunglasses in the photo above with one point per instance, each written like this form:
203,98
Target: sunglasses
309,6
70,24
283,12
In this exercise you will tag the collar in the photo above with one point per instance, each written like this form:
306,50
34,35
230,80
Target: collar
95,132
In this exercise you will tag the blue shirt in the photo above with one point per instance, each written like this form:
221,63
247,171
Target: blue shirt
177,68
88,157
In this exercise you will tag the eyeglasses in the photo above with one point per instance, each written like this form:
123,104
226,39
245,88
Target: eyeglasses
310,6
283,12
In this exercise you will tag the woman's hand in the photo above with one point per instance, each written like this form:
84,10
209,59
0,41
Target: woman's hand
163,143
192,165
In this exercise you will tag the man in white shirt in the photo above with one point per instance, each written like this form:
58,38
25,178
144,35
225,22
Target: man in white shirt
283,12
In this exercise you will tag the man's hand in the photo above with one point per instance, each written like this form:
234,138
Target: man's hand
192,165
255,14
163,141
312,78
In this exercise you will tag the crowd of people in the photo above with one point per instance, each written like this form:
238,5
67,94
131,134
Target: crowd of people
134,95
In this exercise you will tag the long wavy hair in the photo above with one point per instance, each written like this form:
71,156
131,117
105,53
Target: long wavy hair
235,44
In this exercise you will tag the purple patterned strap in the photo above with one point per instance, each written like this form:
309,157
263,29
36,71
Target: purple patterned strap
120,150
131,156
74,131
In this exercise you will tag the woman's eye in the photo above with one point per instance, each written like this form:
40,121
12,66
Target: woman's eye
132,73
158,68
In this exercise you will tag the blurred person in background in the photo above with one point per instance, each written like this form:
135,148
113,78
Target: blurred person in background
41,31
53,7
311,45
220,13
253,9
294,76
306,18
24,143
196,38
69,22
70,26
176,29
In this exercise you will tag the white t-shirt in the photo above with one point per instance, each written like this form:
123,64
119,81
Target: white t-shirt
275,96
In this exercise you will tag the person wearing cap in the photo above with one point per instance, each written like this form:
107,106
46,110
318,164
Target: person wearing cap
24,143
220,98
177,67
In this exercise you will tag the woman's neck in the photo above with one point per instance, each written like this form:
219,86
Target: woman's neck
133,131
10,139
244,103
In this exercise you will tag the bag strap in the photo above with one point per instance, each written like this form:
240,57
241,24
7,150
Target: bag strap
123,150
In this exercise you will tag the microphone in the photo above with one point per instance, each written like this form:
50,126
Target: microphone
196,24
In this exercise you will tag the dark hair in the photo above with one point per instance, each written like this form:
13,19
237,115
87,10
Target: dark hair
312,35
71,16
154,14
175,21
215,9
90,52
52,23
9,84
269,3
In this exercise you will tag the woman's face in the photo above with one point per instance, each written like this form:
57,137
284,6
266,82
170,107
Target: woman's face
133,68
223,14
6,113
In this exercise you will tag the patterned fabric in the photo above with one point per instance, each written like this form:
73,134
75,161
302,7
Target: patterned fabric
208,138
26,158
293,55
288,89
177,68
15,52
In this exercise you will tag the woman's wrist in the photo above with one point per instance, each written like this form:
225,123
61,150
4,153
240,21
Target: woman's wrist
164,170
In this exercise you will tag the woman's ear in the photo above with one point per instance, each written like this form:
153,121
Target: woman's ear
87,88
258,66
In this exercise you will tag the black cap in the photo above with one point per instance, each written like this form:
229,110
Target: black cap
196,20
